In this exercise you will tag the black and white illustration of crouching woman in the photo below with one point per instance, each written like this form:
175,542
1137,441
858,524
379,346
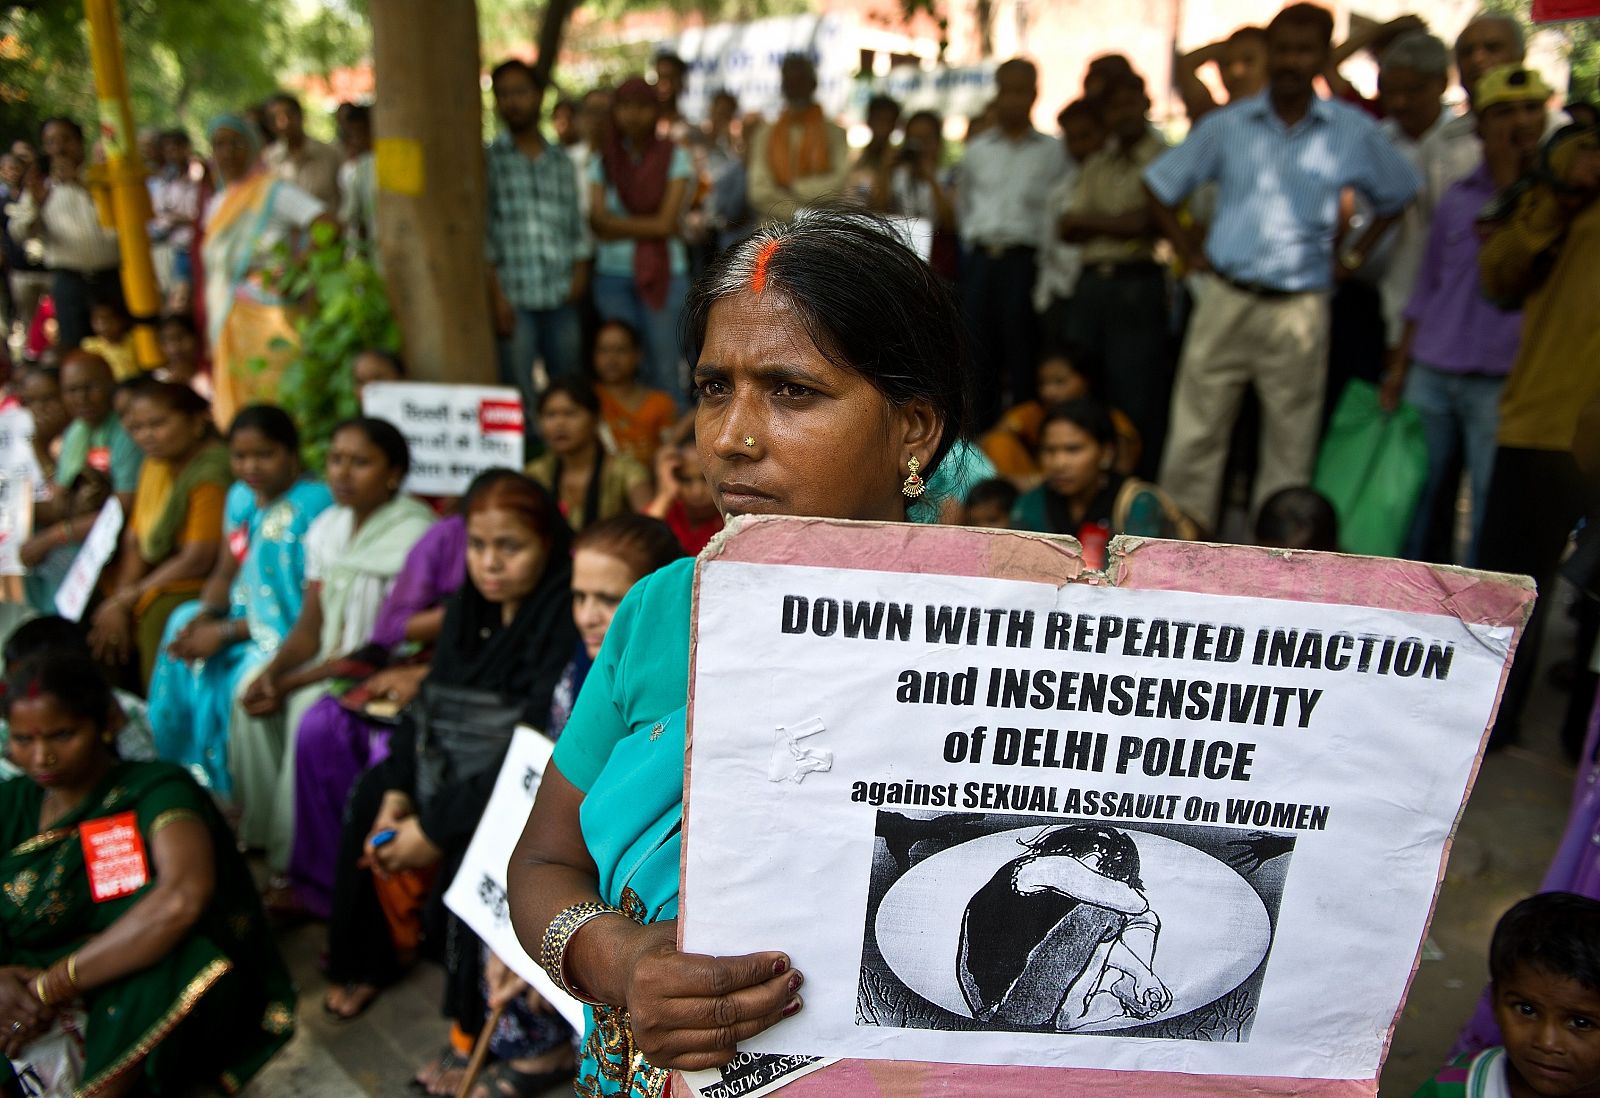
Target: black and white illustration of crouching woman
1063,937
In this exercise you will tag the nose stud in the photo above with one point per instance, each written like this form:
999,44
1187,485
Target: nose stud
749,442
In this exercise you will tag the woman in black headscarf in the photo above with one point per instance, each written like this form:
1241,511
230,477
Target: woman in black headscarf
506,638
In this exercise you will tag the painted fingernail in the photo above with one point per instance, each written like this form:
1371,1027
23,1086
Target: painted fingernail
794,983
792,1007
780,966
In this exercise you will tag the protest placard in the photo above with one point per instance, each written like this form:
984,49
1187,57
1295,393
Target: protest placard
1186,819
478,892
18,461
98,548
455,432
16,523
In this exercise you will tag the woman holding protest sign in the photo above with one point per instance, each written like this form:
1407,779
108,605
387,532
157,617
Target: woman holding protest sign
819,396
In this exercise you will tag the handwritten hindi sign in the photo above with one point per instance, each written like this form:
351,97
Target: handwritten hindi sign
72,597
1079,834
478,893
455,431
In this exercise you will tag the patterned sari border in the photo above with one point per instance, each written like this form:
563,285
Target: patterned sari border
164,1025
42,840
172,816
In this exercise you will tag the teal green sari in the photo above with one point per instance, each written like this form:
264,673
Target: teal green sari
624,747
216,1007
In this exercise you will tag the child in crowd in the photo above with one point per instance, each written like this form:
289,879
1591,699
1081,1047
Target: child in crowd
638,417
1544,970
1083,494
683,497
1011,443
113,337
180,350
989,504
1298,518
373,365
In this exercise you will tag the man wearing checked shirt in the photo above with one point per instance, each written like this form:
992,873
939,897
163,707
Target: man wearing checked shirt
1262,279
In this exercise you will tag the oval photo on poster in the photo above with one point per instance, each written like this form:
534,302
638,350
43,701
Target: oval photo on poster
1215,931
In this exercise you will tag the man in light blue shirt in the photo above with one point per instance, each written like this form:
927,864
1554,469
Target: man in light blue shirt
1280,160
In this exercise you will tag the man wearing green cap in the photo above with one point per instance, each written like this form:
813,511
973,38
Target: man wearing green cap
1545,254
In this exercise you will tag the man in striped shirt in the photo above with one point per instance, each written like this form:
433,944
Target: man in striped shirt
1262,277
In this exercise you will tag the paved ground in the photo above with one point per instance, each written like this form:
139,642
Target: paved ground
1507,834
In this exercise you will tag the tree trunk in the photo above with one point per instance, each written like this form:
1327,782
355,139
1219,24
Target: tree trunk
428,121
552,28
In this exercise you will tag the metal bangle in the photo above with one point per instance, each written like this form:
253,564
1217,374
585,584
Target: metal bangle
553,948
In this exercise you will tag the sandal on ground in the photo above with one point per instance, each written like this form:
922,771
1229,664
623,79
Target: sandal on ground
363,996
501,1080
447,1061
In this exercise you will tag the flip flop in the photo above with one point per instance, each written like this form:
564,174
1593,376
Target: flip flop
447,1060
339,1015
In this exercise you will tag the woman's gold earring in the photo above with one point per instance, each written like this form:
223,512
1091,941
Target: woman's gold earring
914,485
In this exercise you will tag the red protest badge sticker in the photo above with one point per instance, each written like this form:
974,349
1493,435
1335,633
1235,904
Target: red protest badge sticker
113,852
500,417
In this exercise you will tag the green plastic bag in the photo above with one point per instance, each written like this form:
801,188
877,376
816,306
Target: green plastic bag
1372,467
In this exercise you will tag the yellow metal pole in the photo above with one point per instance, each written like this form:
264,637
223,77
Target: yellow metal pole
124,178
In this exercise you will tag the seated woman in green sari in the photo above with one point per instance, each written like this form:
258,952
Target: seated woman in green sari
129,919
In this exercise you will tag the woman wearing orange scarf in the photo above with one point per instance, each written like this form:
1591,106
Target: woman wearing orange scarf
802,157
637,190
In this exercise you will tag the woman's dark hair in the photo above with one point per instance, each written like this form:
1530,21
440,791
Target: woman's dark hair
504,490
171,395
576,389
59,120
1087,414
931,117
994,492
384,435
1298,518
1119,858
1557,933
178,320
868,302
270,421
642,543
625,328
34,638
72,678
391,357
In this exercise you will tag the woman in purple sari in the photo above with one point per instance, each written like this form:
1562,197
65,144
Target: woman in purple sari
335,744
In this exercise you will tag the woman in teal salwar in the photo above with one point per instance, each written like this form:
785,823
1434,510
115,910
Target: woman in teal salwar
247,606
818,396
126,913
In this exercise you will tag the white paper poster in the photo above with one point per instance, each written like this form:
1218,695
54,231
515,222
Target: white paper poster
455,431
17,458
478,893
1006,822
16,523
98,548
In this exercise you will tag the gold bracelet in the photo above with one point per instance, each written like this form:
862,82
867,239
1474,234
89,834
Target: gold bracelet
38,989
72,970
558,935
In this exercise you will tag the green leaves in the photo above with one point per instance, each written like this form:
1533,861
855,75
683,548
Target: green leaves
346,311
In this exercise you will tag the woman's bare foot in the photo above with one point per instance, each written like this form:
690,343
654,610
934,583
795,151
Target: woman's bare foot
347,1001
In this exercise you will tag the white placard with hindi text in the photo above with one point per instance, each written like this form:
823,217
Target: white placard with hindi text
455,432
18,461
99,547
1021,823
478,893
